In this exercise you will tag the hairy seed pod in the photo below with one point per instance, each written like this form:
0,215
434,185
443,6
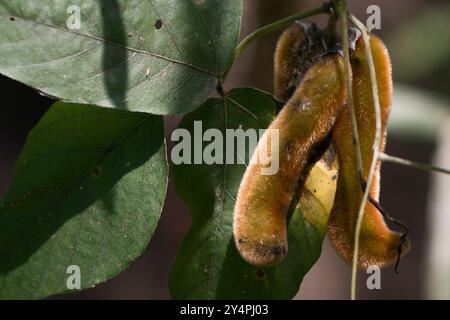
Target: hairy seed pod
297,49
378,244
259,223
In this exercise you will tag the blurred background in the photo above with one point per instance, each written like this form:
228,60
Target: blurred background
417,33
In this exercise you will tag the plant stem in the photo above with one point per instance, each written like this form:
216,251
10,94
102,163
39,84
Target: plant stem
412,164
375,148
325,8
341,10
358,23
331,32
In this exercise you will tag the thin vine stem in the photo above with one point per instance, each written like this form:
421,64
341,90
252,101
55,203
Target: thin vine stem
325,8
412,164
375,148
341,10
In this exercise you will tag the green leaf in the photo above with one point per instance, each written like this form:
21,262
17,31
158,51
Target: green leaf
208,265
89,187
157,56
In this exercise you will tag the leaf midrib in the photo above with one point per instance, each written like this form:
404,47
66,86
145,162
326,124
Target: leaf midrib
72,185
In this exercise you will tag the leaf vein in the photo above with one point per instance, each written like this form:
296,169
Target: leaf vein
145,52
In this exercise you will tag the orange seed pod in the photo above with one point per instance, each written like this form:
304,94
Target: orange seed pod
259,222
297,49
378,244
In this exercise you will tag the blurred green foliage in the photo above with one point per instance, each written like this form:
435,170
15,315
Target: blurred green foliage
420,49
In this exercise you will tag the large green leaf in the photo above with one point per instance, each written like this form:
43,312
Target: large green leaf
157,56
209,265
88,191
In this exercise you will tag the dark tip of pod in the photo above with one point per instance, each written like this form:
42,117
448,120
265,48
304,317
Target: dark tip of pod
312,32
262,253
278,251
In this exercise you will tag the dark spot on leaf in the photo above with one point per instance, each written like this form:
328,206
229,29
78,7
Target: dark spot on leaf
260,273
242,240
96,172
314,191
334,177
12,19
158,24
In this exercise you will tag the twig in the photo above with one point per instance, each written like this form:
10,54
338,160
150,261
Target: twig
340,7
349,80
375,148
331,34
325,8
412,164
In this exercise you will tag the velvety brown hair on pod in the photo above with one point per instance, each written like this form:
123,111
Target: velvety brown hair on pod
298,47
378,244
259,222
